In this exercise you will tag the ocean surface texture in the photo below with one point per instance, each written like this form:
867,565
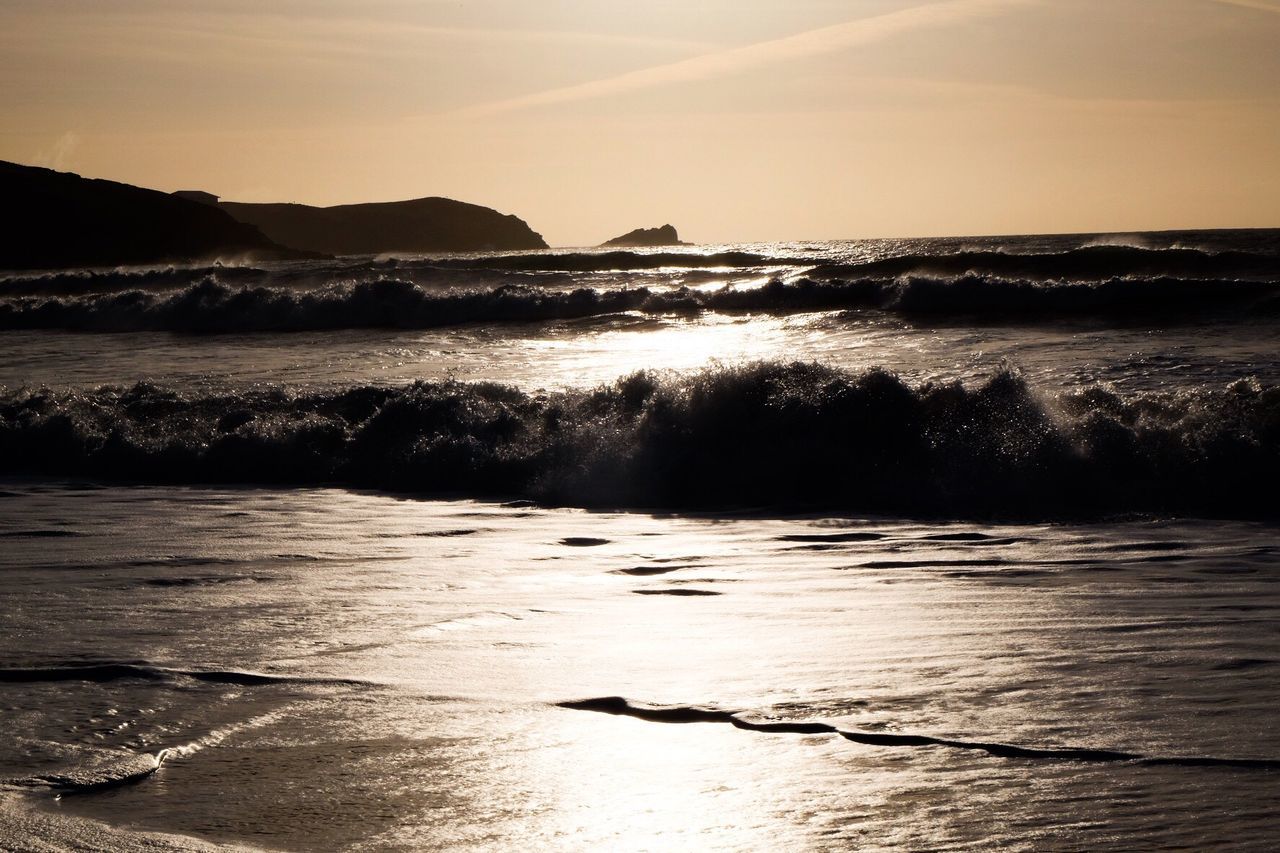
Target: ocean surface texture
895,544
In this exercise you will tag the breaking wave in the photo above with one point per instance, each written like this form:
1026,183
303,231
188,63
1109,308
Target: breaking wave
1083,263
545,266
762,435
620,706
114,769
606,261
212,306
97,770
115,671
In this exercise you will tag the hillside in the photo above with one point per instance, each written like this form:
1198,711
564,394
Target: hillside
419,225
59,219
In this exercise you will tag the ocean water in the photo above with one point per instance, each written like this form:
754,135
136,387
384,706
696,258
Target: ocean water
931,544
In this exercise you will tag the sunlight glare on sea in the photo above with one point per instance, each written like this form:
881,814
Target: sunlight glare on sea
603,356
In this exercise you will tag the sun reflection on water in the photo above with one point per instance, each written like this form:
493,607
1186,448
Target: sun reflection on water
625,784
683,345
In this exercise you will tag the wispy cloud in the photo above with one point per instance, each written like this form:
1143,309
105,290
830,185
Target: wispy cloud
367,35
733,60
58,156
1261,5
192,36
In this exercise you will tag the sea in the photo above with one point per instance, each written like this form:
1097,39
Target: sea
943,544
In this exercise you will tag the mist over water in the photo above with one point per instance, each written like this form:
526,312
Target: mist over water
886,544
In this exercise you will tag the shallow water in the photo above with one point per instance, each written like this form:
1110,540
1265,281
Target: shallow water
302,667
570,355
416,652
1142,311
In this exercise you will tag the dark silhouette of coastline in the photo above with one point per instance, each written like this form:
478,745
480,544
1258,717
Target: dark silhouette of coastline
419,225
59,219
664,236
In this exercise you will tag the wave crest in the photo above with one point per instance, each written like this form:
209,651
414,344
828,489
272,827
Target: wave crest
768,434
211,306
1082,263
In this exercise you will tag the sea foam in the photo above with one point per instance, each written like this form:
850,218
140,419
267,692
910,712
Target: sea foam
212,306
766,435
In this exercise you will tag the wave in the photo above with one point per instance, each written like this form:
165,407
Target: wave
691,714
104,769
609,261
1087,263
764,435
1254,259
89,282
313,275
113,770
115,671
211,306
540,267
38,534
1084,262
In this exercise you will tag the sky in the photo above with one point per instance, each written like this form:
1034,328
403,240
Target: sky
734,120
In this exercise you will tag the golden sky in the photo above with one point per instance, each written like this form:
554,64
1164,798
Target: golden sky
732,119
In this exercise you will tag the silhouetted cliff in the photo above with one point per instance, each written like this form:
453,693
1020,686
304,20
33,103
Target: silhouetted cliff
420,225
664,236
58,219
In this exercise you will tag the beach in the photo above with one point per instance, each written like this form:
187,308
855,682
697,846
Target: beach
737,547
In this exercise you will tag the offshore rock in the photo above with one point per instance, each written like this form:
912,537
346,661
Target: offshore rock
663,236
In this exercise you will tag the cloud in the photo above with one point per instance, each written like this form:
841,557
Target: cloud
194,36
58,156
1260,5
734,60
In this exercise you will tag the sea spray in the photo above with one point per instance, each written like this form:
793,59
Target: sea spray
768,434
212,306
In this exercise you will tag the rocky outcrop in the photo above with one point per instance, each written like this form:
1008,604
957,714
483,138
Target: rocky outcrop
419,225
59,219
663,236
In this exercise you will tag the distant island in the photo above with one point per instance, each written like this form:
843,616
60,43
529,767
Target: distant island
58,219
663,236
419,225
